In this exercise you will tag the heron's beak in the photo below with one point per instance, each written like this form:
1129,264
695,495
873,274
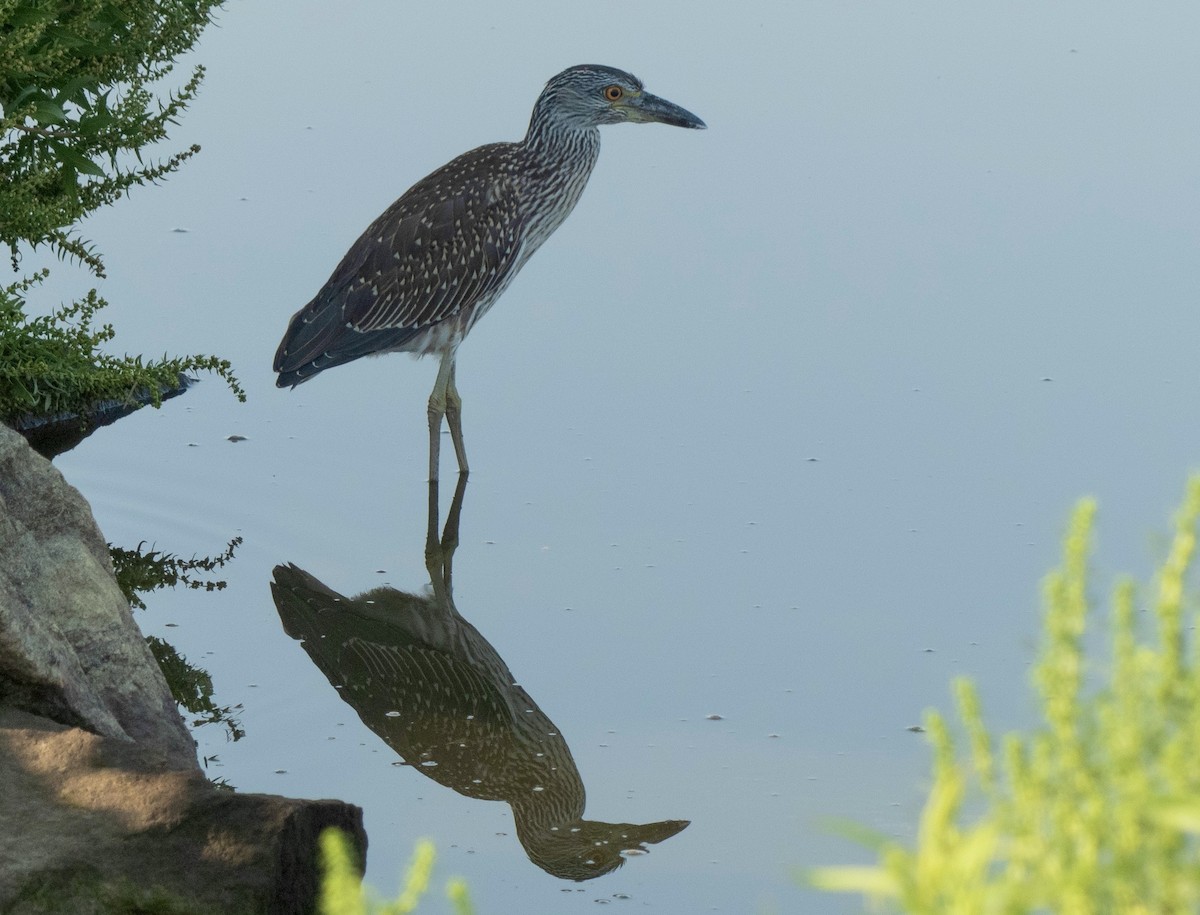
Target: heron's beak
647,108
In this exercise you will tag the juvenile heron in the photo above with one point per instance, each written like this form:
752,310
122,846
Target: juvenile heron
424,272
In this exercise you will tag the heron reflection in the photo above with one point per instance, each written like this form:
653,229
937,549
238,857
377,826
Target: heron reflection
435,690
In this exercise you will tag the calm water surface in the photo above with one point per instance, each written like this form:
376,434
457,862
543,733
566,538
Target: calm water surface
782,426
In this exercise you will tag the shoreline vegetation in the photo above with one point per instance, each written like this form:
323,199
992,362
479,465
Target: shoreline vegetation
82,110
342,890
1098,809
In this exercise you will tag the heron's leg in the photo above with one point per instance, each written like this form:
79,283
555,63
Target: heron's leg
437,409
454,421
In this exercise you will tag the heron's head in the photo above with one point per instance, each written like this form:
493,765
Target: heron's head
591,95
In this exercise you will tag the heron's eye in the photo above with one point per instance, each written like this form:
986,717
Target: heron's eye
613,93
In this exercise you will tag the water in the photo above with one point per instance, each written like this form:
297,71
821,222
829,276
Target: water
782,426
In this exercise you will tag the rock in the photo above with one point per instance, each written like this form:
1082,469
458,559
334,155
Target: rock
103,826
52,435
69,648
103,805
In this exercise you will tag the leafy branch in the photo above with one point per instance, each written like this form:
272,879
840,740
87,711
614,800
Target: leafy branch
84,96
79,109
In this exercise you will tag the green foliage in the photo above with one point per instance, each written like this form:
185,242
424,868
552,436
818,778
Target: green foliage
141,571
53,364
1098,810
192,688
342,891
78,107
79,110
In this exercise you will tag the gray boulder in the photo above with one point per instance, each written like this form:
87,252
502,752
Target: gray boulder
103,806
69,648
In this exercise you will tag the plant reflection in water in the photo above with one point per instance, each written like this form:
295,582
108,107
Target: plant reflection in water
144,570
434,689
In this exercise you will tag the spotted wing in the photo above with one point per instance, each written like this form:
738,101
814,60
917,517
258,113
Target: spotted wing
450,242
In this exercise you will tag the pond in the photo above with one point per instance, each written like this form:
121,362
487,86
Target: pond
775,437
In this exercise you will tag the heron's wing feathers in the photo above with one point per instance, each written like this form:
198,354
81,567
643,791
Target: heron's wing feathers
449,242
445,244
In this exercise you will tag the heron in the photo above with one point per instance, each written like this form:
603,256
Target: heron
422,274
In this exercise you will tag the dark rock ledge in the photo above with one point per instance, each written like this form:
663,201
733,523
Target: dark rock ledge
51,435
103,806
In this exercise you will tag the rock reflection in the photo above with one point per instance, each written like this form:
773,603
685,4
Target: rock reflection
435,690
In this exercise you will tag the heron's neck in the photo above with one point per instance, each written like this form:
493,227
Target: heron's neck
554,139
557,162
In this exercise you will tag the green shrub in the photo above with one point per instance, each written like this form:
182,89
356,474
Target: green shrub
1097,810
342,891
81,109
53,364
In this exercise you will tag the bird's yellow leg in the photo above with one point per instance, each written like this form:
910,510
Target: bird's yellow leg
454,420
437,409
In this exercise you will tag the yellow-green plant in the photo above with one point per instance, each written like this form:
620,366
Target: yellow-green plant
1097,810
343,893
